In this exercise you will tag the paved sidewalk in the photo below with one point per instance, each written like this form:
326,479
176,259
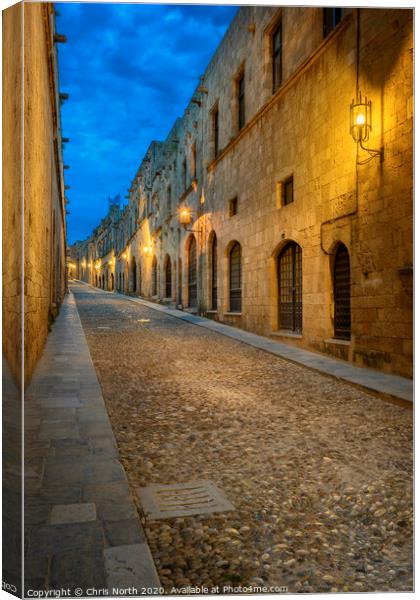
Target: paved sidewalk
82,528
399,388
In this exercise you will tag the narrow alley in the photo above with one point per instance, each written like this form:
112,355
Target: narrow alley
319,472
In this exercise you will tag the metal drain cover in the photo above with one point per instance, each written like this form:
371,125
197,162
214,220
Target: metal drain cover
182,499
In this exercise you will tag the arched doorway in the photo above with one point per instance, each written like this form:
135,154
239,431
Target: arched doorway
192,273
289,276
140,279
154,276
180,281
133,275
213,271
341,277
168,277
235,278
112,282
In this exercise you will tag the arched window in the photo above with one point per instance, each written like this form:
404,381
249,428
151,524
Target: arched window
179,281
289,269
342,313
168,277
140,278
235,278
192,273
154,276
213,267
133,274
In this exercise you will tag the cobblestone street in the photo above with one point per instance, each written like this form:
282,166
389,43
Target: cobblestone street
318,471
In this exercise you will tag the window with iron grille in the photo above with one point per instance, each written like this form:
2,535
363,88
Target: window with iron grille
214,273
169,199
179,281
168,278
332,17
235,279
192,273
289,267
288,191
342,313
241,101
140,279
154,276
277,57
134,274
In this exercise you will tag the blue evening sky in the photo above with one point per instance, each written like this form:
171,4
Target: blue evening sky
130,70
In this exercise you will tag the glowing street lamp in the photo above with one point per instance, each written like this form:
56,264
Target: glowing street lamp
361,125
185,216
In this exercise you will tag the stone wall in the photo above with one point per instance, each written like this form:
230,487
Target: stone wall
300,130
12,197
12,300
43,188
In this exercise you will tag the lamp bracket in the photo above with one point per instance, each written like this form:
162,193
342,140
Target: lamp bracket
372,153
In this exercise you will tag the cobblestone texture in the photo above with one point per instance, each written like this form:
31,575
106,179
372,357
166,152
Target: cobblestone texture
318,471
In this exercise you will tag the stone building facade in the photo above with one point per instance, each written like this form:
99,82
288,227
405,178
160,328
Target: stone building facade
34,234
34,229
45,213
261,210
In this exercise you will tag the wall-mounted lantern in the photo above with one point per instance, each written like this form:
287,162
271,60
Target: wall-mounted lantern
148,249
185,216
361,125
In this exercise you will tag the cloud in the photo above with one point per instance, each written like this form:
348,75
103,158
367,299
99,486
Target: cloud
130,70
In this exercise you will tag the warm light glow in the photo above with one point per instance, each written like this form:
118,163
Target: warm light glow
360,119
124,255
185,216
148,249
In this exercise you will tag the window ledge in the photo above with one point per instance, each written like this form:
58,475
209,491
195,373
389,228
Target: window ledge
287,334
212,312
233,314
337,342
